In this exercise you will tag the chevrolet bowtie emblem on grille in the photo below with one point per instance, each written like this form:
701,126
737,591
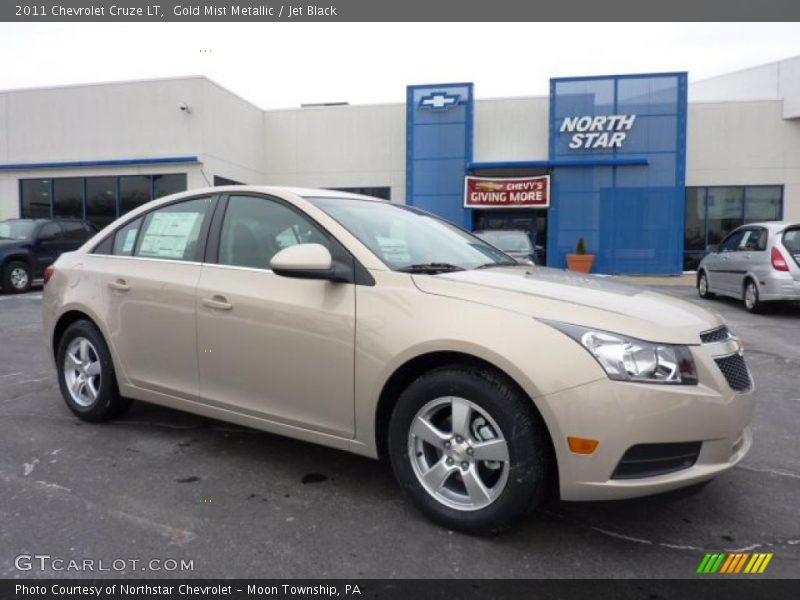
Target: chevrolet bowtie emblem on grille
439,101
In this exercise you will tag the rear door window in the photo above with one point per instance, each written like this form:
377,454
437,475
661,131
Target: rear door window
173,232
754,240
125,239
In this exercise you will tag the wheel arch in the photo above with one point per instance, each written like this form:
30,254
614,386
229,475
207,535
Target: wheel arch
21,257
421,364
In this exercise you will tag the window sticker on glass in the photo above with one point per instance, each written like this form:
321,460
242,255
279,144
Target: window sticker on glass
130,238
394,250
168,234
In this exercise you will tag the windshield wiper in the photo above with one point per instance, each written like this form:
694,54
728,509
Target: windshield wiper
432,267
497,264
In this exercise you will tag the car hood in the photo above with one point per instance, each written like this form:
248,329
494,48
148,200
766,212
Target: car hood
589,300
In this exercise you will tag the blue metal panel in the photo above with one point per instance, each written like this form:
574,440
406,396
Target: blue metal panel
439,131
565,162
630,214
126,162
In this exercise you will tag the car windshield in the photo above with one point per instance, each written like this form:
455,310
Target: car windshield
409,239
508,241
16,230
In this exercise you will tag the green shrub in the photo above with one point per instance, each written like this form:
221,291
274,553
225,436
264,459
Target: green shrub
581,249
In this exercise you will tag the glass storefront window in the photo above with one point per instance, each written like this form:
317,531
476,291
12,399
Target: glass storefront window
762,203
64,196
35,198
68,197
725,210
164,185
713,212
134,190
101,200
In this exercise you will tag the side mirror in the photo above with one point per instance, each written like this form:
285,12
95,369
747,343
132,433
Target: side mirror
304,261
47,237
712,249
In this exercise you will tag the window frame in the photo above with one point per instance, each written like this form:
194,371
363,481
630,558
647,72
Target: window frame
105,246
339,253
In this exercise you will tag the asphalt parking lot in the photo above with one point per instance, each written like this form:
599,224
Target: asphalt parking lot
241,503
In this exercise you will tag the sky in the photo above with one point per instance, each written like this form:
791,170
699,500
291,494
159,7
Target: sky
278,65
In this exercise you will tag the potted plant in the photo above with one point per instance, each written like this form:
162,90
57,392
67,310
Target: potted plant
580,261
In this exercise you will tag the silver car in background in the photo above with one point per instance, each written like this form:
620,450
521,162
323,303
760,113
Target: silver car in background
756,263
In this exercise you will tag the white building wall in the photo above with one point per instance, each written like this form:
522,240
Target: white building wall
511,129
130,120
337,146
745,143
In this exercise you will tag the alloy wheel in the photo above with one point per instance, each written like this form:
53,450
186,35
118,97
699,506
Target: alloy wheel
82,371
19,278
458,453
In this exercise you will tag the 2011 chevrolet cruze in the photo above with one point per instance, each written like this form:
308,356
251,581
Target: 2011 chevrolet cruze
383,330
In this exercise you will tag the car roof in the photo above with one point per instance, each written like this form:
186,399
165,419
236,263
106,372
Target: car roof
772,225
297,191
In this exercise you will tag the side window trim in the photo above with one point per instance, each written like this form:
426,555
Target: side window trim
202,238
338,251
201,235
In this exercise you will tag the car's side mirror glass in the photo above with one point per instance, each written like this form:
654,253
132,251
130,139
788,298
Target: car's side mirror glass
712,249
304,261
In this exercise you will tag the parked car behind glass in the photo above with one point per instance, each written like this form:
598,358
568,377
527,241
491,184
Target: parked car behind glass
515,243
29,246
385,331
755,263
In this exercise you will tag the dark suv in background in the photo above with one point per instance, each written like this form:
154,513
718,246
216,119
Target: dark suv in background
29,246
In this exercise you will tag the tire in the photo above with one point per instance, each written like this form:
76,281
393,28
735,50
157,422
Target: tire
702,286
419,433
17,277
750,297
86,374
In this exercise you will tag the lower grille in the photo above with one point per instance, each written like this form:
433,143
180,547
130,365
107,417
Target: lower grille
735,371
649,460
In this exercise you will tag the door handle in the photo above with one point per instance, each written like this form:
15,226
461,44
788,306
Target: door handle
119,285
217,303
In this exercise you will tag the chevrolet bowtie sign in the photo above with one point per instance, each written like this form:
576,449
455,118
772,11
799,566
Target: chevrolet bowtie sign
439,101
598,132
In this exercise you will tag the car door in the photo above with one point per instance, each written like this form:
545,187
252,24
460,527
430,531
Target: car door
725,273
149,283
47,246
752,254
273,346
75,234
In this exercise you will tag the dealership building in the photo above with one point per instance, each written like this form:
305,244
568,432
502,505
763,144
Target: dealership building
647,168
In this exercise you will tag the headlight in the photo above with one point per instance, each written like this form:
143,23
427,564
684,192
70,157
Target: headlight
628,359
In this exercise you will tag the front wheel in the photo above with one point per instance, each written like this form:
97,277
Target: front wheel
86,374
702,286
470,449
16,277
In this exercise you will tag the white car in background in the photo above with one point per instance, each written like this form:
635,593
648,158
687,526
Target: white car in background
755,263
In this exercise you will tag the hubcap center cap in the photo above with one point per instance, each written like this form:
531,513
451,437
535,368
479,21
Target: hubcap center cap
459,452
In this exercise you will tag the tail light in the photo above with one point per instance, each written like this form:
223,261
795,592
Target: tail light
778,262
48,273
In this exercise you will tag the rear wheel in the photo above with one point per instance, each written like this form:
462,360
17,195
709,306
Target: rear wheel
752,301
470,449
702,286
16,277
86,374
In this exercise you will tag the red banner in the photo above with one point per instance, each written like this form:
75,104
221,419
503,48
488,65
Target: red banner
503,192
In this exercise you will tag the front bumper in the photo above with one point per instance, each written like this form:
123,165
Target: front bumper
622,415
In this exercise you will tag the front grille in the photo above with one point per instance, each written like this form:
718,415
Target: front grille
720,334
735,371
649,460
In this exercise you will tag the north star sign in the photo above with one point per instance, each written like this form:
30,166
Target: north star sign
607,131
